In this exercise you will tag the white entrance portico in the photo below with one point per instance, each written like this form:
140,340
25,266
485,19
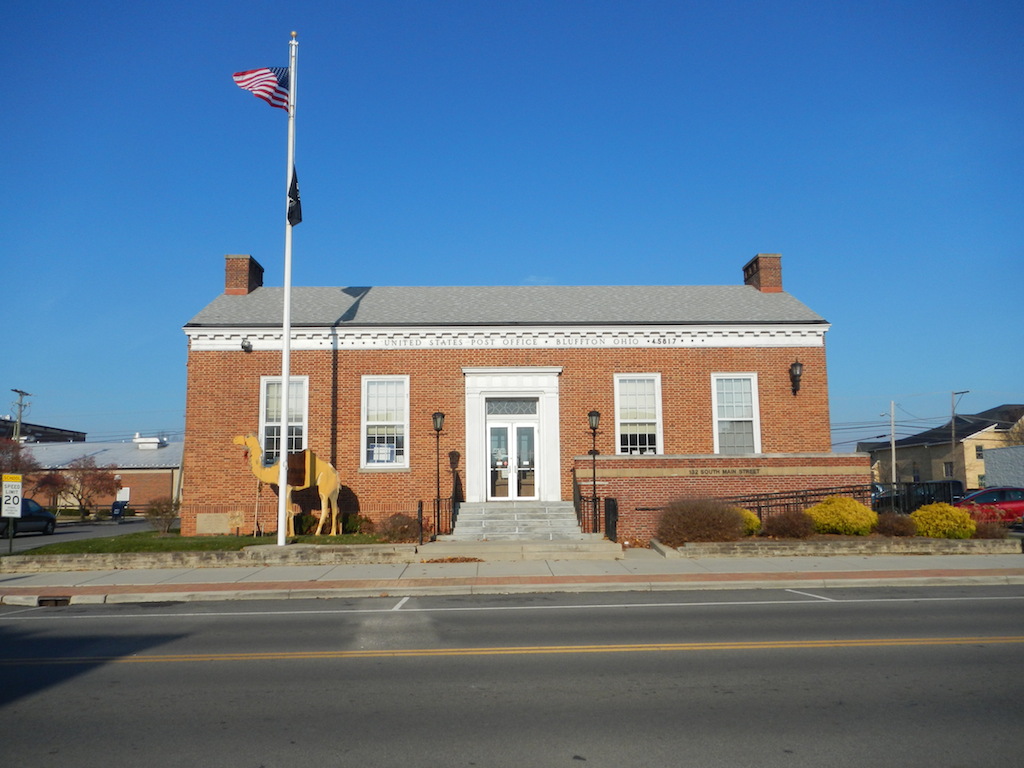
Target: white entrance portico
512,435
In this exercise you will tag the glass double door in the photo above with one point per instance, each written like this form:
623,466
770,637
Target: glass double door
513,460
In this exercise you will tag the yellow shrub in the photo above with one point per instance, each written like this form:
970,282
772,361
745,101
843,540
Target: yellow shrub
841,514
943,521
751,522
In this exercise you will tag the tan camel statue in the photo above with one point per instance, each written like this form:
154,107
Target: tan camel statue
321,474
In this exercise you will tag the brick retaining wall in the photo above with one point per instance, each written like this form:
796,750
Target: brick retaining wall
872,546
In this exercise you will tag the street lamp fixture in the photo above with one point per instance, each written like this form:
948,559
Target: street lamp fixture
594,420
796,372
438,418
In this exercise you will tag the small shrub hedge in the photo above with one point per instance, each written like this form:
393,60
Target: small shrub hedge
990,529
399,529
792,524
842,515
893,524
163,514
943,521
751,522
699,520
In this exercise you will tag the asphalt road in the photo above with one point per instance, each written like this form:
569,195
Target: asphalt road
73,532
854,677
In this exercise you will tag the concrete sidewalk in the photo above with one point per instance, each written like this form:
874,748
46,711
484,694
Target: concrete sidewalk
639,570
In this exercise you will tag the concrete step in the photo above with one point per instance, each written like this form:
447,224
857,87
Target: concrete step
518,520
594,547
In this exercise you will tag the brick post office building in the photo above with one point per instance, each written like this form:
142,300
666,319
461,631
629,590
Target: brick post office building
694,386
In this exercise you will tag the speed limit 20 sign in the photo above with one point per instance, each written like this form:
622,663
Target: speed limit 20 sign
12,496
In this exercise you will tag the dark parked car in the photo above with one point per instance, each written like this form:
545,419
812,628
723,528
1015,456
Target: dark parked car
1001,504
33,518
906,497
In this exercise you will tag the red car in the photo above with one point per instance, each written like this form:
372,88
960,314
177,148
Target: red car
1000,504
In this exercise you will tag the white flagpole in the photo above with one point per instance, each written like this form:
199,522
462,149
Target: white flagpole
286,323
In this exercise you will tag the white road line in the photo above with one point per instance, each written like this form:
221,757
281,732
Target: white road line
401,602
808,594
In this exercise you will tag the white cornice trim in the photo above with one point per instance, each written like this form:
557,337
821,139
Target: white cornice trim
512,337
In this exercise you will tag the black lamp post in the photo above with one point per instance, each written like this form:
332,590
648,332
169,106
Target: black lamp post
438,418
593,420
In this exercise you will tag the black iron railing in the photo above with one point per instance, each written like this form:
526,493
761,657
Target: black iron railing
594,514
767,504
445,512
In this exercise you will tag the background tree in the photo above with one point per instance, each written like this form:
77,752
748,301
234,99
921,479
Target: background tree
86,482
51,486
14,459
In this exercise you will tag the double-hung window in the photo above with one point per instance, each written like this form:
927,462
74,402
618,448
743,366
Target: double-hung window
385,422
272,415
737,417
638,412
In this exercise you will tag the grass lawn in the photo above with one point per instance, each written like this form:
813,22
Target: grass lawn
151,541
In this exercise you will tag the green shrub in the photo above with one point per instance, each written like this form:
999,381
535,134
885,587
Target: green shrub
893,524
751,522
352,522
842,515
943,521
792,524
699,520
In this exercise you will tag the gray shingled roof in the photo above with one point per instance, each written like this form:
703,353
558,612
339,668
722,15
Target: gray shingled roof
508,305
120,455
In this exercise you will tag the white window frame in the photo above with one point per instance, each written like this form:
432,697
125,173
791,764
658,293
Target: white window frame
756,408
658,435
303,407
401,462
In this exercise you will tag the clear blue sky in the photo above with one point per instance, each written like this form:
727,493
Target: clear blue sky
878,146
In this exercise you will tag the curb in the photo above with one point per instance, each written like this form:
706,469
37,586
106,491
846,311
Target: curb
59,596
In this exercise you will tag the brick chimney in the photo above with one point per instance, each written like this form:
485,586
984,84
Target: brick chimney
764,272
242,274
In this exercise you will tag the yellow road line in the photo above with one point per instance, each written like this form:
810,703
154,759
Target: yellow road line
519,650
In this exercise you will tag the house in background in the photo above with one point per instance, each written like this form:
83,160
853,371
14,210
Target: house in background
149,468
710,391
931,455
1005,466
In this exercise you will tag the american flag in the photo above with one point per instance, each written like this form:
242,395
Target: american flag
269,84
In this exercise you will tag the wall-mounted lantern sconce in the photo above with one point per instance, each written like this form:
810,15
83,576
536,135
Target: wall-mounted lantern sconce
246,345
796,371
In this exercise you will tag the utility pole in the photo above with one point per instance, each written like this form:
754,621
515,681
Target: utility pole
892,442
21,406
952,432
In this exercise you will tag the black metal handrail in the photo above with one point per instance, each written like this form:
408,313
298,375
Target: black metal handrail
767,504
446,514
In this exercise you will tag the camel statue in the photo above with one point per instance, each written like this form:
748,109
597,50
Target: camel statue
322,475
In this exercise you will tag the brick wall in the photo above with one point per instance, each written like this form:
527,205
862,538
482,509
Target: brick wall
224,392
641,484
